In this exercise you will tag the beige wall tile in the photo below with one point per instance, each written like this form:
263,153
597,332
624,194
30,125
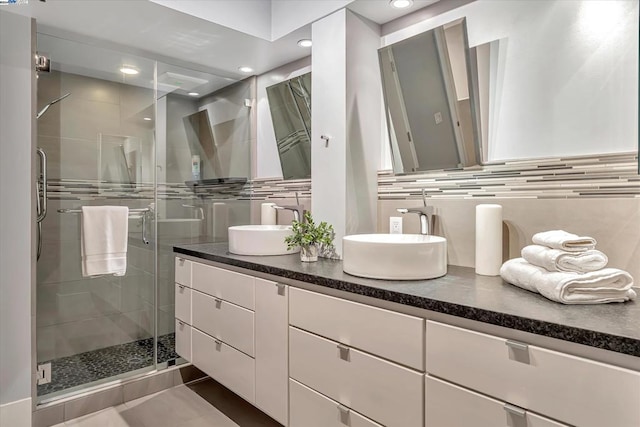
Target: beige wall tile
93,403
48,416
148,385
613,222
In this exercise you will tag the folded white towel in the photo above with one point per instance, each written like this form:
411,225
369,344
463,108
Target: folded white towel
103,240
557,260
559,239
607,285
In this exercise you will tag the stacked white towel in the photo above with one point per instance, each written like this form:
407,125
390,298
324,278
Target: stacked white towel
103,240
567,268
557,260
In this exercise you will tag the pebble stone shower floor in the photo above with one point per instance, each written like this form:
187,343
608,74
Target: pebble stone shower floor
84,368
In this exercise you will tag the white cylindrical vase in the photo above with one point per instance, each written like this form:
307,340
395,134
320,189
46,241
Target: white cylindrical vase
488,239
268,214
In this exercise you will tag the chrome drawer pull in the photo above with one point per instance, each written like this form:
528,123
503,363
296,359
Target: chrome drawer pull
516,416
517,345
344,351
281,288
218,342
181,287
344,414
181,261
518,351
218,302
181,323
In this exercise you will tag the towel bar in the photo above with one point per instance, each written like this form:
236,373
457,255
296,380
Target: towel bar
138,211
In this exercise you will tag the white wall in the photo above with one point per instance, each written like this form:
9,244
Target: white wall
268,160
287,15
16,218
550,104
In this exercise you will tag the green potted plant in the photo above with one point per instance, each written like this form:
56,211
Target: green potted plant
309,236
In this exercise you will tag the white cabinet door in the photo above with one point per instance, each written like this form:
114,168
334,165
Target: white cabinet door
311,409
183,339
272,348
227,322
387,393
394,336
230,367
571,389
183,271
183,303
228,285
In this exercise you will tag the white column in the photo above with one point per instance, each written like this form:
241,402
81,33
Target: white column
346,105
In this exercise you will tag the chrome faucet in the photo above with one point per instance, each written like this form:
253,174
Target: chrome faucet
425,212
296,209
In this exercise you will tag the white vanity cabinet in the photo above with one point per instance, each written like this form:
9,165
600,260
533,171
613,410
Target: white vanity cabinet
183,307
368,362
308,359
234,327
570,389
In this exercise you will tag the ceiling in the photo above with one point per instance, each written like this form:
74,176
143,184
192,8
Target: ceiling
107,32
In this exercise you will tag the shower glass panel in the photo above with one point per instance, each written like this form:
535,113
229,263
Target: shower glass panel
201,118
100,147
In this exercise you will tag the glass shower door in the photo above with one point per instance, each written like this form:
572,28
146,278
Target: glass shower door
99,141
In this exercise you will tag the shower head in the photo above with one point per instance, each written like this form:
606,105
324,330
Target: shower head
46,107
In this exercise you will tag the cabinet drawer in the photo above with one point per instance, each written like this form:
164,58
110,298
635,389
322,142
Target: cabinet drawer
224,321
448,405
224,284
230,367
311,409
388,393
183,339
183,303
183,271
367,328
567,388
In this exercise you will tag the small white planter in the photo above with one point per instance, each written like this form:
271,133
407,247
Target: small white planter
309,253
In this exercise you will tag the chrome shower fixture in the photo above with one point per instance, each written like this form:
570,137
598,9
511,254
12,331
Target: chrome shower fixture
46,107
42,64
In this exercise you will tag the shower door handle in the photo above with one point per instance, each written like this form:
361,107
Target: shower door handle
42,208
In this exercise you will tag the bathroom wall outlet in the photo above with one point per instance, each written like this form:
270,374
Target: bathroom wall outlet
395,225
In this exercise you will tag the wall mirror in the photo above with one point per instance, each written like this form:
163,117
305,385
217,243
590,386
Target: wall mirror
555,78
290,105
430,101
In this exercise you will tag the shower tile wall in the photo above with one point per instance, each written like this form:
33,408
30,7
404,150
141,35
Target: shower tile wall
77,314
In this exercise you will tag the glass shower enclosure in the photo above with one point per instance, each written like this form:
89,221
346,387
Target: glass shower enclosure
120,139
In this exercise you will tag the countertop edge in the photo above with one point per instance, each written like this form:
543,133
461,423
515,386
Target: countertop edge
601,340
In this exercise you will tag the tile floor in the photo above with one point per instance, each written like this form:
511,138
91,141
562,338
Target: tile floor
200,404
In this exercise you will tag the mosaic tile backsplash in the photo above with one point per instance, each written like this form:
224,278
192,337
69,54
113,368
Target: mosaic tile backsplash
577,177
257,189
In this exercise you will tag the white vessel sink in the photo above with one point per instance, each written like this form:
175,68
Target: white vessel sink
259,240
394,256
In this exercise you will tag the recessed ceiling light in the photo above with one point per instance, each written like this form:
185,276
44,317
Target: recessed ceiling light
194,94
245,69
127,69
401,4
147,119
304,43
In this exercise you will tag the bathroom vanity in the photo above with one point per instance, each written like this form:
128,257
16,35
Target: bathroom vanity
312,346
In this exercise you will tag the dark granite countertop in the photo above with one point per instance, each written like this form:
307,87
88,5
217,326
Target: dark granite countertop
461,293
